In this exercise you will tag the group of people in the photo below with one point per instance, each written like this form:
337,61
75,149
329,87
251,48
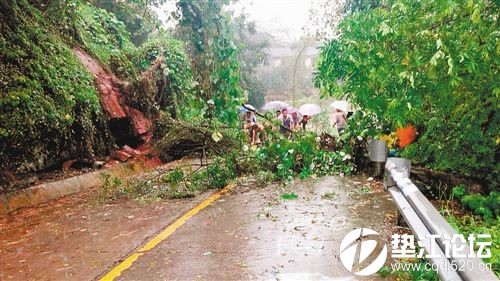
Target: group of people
291,123
288,123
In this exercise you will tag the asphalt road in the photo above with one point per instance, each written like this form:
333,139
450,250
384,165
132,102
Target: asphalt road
244,234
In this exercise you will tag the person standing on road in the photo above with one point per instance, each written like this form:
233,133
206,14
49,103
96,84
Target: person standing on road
304,120
340,120
286,123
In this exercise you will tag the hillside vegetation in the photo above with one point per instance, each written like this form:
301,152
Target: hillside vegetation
50,108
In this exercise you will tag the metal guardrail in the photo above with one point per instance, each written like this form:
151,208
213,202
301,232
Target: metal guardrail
425,220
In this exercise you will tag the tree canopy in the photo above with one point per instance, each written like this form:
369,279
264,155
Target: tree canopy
433,64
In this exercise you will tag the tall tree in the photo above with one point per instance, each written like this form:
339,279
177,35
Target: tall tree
208,31
326,15
430,63
252,55
138,15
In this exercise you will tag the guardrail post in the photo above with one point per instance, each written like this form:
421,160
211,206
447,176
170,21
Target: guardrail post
377,151
401,164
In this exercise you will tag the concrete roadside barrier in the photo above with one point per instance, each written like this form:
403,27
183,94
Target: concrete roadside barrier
41,193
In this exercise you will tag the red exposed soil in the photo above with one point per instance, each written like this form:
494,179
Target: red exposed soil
106,83
113,102
112,99
140,124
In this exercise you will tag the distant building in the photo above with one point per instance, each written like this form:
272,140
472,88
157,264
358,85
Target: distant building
279,75
279,53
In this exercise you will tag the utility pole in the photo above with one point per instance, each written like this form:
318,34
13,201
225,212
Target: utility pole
294,74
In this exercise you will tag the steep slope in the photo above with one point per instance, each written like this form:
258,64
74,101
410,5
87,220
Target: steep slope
74,87
49,106
128,125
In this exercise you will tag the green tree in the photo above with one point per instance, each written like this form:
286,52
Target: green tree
430,63
326,15
209,34
138,16
174,83
251,56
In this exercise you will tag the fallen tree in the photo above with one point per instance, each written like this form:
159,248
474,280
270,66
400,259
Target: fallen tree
177,138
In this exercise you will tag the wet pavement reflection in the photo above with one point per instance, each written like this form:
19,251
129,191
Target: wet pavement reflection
249,234
259,236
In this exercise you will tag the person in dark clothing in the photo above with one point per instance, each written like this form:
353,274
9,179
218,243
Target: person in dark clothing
304,121
286,123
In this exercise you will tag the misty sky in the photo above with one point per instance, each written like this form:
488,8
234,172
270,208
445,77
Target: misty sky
282,18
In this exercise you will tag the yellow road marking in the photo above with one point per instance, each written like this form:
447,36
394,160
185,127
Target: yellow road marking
166,232
117,271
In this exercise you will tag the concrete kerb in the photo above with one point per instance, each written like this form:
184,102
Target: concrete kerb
42,193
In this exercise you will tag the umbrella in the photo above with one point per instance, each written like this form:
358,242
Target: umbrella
246,107
242,110
249,107
309,109
341,104
274,105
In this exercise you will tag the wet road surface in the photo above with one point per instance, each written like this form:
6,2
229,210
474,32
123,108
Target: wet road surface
256,235
244,235
74,238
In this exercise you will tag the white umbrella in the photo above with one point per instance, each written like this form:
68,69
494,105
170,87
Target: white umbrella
341,104
246,107
274,105
242,110
309,109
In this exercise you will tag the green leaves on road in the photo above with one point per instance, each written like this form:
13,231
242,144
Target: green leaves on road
289,196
